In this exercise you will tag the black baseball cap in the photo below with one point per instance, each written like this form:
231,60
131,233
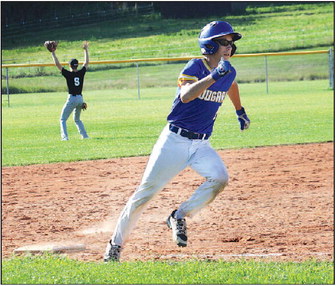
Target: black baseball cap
73,63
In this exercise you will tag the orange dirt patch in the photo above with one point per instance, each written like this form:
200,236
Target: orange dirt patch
279,205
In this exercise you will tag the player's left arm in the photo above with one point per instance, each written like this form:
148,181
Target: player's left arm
234,95
86,54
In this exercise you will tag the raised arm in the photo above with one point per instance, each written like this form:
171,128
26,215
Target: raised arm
56,61
51,47
86,54
191,90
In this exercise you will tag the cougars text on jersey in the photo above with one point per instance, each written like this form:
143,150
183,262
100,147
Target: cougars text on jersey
214,96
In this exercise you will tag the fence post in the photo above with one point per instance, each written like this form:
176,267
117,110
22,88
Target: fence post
331,69
138,78
266,74
7,86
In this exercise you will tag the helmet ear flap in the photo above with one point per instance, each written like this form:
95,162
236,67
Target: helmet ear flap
208,47
234,48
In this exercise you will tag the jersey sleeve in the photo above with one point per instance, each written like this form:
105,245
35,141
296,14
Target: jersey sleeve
190,72
83,70
64,72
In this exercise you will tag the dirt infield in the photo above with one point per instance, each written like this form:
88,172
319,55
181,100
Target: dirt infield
279,205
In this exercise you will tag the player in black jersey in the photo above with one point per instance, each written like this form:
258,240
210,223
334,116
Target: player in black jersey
75,81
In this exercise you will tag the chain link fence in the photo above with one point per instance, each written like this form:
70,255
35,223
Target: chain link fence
137,75
10,30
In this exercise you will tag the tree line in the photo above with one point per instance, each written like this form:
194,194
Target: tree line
21,12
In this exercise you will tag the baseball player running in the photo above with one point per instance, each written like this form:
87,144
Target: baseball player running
75,81
202,87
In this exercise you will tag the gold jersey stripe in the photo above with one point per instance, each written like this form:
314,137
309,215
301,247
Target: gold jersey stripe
185,77
206,65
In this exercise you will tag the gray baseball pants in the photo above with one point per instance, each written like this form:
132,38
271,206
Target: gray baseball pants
73,103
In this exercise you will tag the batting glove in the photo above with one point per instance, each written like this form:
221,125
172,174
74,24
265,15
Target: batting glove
243,119
223,68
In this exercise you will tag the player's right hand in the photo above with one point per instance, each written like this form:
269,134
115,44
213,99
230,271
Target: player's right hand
223,68
85,45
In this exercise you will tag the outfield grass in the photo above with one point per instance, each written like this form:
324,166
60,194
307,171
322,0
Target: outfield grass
58,270
161,74
120,124
307,26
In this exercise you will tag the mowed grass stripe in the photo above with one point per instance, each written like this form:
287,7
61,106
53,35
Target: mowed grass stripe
121,125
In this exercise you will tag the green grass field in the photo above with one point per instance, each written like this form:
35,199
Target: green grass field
120,124
265,29
273,28
58,270
161,74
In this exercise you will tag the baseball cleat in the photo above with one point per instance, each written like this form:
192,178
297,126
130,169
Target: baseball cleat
179,228
112,253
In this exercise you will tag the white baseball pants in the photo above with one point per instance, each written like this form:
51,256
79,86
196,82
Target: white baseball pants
72,103
171,154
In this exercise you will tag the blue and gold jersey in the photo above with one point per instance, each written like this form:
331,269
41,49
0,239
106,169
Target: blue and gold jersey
199,114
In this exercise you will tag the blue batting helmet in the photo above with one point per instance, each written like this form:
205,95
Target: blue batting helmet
214,30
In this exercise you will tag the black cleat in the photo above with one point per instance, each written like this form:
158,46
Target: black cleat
112,253
179,228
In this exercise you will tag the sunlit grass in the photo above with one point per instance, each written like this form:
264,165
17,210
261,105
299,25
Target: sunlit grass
120,124
58,270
